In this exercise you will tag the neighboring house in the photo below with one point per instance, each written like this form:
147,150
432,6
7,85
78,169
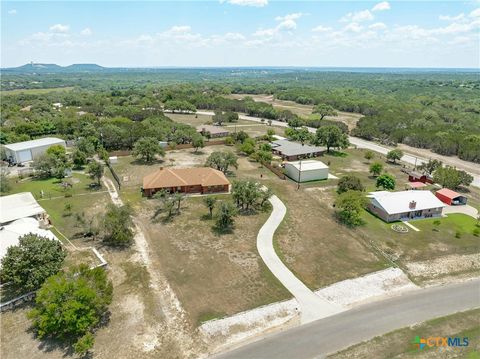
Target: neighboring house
20,205
20,214
307,170
404,205
293,151
450,197
11,233
29,150
419,177
212,131
186,180
414,185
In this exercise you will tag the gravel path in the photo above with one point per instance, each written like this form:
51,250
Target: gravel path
312,306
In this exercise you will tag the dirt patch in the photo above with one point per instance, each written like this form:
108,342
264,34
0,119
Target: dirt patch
446,265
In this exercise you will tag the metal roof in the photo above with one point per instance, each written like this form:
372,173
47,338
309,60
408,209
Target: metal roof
308,165
449,193
19,205
11,233
46,141
399,202
289,148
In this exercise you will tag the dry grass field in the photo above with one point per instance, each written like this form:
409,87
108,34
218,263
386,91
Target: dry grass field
350,119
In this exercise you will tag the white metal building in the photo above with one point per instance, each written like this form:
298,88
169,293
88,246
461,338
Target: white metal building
19,205
305,171
29,150
10,234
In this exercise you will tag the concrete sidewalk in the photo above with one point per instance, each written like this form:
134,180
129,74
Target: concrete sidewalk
312,307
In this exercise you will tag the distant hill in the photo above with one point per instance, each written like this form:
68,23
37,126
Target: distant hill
54,68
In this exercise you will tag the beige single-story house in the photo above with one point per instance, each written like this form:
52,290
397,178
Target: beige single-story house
212,131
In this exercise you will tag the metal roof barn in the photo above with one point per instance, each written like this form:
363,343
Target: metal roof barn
29,150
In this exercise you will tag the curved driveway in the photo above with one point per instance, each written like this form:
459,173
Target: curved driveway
312,307
326,336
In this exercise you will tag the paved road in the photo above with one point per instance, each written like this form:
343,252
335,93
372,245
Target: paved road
360,143
312,307
329,335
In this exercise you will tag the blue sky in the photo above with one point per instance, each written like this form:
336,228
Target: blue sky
242,33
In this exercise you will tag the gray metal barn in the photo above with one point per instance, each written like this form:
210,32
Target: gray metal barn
29,150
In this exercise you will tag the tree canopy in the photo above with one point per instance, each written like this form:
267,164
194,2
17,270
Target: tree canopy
27,265
70,305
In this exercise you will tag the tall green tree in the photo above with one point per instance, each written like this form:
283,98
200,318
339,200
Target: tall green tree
222,161
331,136
386,181
376,168
117,225
350,183
226,216
210,202
146,148
95,171
452,178
349,206
324,110
395,155
69,306
27,265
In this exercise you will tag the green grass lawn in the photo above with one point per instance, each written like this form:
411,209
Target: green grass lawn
80,197
51,187
432,241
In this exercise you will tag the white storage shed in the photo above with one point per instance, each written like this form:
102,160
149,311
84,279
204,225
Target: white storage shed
305,171
29,150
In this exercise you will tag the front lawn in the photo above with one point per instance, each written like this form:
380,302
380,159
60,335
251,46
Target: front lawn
454,235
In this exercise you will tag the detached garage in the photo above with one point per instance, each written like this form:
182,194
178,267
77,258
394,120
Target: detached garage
29,150
450,197
305,171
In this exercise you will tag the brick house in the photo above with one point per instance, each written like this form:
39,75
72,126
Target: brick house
201,180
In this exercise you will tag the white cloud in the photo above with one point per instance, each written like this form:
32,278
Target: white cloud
286,23
364,15
353,27
255,3
378,26
59,28
381,6
451,18
86,32
178,29
321,28
475,13
12,12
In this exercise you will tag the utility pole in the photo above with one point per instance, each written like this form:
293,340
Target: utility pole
299,174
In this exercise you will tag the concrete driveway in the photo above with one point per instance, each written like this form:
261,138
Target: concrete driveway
312,307
465,209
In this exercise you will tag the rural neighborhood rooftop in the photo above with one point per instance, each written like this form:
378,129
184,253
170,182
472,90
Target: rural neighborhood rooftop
12,232
19,205
178,177
399,202
308,165
213,130
290,148
46,141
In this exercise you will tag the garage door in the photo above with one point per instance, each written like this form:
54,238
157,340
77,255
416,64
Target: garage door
25,155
